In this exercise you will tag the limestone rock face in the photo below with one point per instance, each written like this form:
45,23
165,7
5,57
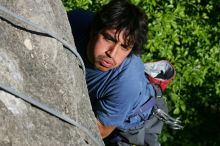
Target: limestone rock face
39,66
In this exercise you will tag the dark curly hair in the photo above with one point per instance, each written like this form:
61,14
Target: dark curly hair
121,14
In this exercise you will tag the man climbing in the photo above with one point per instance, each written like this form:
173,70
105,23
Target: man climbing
109,43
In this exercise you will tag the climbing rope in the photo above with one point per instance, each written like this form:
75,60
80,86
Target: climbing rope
45,31
31,100
49,110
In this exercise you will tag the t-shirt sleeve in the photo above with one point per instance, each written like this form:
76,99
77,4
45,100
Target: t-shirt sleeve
113,109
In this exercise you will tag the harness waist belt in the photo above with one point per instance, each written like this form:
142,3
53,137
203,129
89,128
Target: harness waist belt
146,106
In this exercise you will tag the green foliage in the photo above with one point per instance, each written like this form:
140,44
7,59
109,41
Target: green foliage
92,5
71,4
187,33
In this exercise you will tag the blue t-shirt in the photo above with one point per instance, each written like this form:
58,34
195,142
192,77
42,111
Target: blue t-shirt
116,94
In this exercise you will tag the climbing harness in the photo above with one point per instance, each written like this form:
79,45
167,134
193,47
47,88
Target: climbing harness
31,100
145,107
159,74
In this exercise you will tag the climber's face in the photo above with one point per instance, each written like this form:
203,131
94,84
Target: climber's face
108,49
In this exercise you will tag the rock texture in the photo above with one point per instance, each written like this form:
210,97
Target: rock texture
39,66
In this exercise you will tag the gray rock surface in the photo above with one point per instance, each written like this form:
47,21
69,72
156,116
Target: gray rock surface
39,66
